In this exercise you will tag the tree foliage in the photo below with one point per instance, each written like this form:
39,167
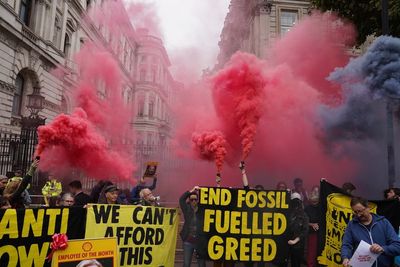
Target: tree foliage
365,14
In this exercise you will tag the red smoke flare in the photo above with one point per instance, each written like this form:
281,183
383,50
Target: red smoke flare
210,146
82,147
238,92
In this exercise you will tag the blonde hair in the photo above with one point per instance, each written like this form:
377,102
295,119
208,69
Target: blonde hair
11,187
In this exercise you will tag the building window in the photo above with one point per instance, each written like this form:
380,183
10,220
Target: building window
151,109
67,46
17,100
126,96
57,32
288,20
25,11
140,107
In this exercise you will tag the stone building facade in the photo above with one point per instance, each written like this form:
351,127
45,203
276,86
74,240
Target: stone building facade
253,25
36,36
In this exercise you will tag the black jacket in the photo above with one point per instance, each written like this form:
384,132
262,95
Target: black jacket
16,200
188,214
81,199
298,227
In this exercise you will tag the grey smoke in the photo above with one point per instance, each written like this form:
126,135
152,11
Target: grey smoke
367,81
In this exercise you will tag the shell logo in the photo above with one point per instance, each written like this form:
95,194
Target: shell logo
87,246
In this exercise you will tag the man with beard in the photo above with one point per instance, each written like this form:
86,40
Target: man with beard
373,229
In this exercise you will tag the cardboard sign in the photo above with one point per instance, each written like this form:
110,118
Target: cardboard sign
100,252
151,169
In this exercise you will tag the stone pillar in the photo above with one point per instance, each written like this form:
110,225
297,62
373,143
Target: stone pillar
63,25
42,16
264,23
52,19
256,23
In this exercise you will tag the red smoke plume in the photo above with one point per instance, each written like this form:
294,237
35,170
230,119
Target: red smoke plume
99,91
107,116
272,106
210,146
313,49
79,145
238,92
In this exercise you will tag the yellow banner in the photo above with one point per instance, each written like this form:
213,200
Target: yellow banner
89,252
146,235
338,214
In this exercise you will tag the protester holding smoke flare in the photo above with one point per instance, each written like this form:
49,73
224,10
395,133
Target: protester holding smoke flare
14,189
244,175
25,195
189,234
247,187
245,179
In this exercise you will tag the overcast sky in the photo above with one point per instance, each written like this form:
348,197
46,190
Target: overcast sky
191,25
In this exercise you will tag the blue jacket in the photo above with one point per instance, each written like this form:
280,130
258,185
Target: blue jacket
381,232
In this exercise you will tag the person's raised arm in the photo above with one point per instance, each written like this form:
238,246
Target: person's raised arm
185,195
244,175
26,180
154,184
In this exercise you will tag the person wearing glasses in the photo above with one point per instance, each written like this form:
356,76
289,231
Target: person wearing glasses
188,203
66,200
373,229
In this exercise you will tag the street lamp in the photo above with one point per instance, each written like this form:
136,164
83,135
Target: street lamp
29,125
35,101
35,105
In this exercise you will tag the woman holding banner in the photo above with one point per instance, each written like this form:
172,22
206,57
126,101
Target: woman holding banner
109,195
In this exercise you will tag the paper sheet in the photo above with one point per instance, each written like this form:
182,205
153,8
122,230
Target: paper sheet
363,257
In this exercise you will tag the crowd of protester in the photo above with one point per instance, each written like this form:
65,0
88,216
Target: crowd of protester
14,193
303,223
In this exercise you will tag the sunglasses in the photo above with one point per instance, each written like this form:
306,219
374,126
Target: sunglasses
193,199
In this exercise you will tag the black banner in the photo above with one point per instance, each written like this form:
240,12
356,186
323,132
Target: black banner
25,234
244,225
